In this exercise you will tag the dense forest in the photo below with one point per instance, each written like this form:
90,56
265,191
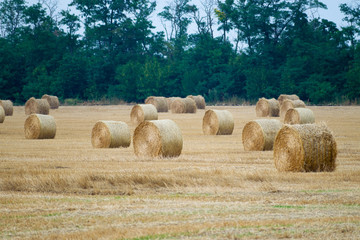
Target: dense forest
109,50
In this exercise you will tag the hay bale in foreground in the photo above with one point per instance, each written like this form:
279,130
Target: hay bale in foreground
143,112
158,138
183,105
39,106
52,100
299,116
283,97
259,135
199,100
160,103
8,107
39,126
267,108
305,148
288,104
2,114
110,134
218,122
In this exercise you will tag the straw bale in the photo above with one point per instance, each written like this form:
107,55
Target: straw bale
2,114
52,100
8,107
39,126
143,112
183,105
110,134
218,122
259,135
288,104
305,148
160,103
199,100
39,106
299,116
158,138
267,107
283,97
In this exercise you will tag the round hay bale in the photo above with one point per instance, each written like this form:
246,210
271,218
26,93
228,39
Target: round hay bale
39,106
199,100
2,114
305,148
267,108
288,104
170,100
8,107
52,100
259,135
39,126
283,97
299,116
158,138
160,103
183,105
143,112
110,134
218,122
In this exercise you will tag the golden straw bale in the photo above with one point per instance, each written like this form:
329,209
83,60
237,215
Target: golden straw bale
299,116
39,126
267,108
305,148
199,100
8,107
283,97
40,106
170,100
259,135
183,105
110,134
218,122
53,101
158,138
160,103
288,104
143,112
2,114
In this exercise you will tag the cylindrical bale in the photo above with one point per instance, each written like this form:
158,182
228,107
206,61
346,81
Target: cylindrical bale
267,108
2,114
259,135
283,97
39,106
39,126
160,103
8,107
299,116
218,122
199,100
305,148
158,138
288,104
110,134
183,105
143,112
170,101
52,100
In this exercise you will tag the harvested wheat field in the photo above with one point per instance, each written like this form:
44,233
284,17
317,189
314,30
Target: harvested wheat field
63,188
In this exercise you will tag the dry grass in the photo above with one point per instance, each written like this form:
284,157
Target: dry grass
63,188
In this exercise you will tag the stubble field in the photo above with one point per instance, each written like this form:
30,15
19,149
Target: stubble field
63,188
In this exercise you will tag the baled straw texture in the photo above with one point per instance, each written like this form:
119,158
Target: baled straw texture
267,108
199,100
39,106
2,114
52,100
305,148
160,103
218,122
283,97
299,116
170,101
8,107
143,112
183,105
110,134
39,126
288,104
259,135
158,138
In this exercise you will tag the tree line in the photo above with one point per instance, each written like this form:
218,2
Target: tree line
109,50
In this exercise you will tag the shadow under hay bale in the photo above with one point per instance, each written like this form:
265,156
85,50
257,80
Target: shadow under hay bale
283,97
259,135
8,107
218,122
299,116
183,105
2,114
305,148
143,112
267,108
288,104
39,106
110,134
52,100
160,103
39,126
199,100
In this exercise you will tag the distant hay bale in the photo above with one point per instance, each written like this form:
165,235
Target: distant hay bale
283,97
8,107
267,108
39,106
299,116
2,114
158,138
52,100
110,134
199,100
143,112
160,103
39,126
305,148
259,135
288,104
170,100
218,122
183,105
